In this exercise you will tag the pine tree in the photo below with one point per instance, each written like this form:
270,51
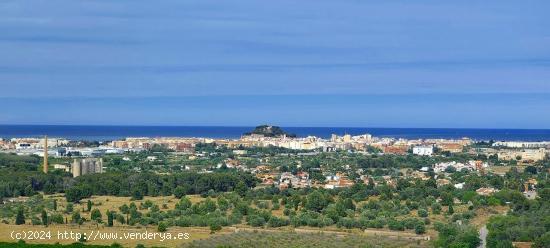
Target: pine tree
96,215
20,218
137,195
451,210
69,208
89,207
110,218
54,205
76,217
44,217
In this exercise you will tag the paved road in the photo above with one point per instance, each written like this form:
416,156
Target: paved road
483,236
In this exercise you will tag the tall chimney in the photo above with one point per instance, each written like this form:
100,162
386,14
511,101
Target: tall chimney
46,154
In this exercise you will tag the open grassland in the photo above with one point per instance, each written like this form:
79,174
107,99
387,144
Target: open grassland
246,239
483,215
501,170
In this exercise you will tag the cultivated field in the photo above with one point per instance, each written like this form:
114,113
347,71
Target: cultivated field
252,239
104,203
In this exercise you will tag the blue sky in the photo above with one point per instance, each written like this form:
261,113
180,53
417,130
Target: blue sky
481,64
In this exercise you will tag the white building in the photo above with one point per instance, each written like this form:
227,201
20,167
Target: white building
423,150
239,152
521,144
441,167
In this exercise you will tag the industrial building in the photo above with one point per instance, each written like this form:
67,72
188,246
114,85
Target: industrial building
87,166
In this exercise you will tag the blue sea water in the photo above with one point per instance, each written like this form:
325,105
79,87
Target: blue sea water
102,133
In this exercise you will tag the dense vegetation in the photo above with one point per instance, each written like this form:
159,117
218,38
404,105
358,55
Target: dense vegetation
528,221
19,163
137,185
397,201
270,131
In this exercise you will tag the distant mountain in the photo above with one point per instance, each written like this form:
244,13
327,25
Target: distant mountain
270,131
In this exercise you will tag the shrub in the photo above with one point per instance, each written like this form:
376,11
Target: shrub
215,226
162,227
255,221
57,218
420,228
396,225
436,208
422,213
277,222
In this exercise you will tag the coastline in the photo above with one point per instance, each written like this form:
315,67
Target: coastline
103,133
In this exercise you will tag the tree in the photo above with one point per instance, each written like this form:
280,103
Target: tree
256,220
531,169
180,191
215,226
208,205
44,217
75,218
184,203
543,241
241,188
110,218
420,228
450,169
96,215
20,218
544,194
49,188
451,210
55,205
436,208
120,219
162,227
137,195
56,218
422,213
316,201
83,238
89,206
75,194
124,209
69,208
452,235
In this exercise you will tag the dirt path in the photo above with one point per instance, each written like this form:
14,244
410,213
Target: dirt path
483,236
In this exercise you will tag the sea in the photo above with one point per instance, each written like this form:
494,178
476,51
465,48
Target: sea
105,133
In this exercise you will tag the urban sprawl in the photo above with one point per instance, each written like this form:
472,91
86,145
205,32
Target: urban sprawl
89,159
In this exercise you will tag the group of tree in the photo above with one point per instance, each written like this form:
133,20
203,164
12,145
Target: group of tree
528,221
138,185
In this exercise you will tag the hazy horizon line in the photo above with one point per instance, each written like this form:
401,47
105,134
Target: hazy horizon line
283,126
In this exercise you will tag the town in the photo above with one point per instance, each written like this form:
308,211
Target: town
188,154
343,182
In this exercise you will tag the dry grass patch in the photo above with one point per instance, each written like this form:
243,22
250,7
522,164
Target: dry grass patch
194,234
